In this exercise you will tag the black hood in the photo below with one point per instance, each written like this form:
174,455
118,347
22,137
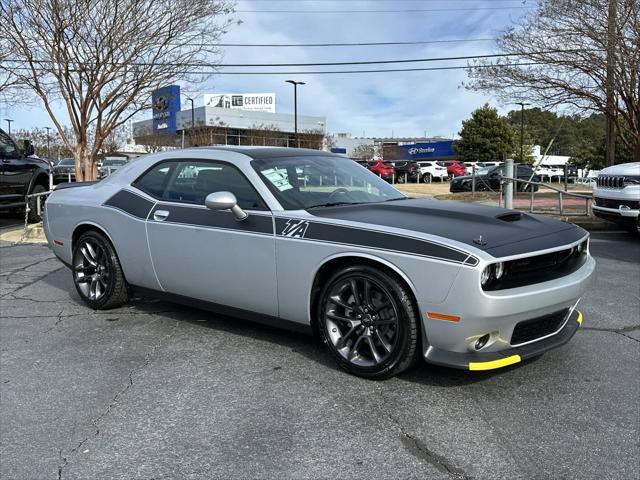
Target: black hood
498,231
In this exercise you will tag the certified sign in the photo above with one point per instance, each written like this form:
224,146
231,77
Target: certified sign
256,102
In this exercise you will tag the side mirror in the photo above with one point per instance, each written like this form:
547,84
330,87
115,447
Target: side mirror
27,148
225,201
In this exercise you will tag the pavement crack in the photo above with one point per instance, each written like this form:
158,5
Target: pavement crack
419,449
619,331
148,357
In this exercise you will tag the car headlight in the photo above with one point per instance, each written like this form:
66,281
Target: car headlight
486,275
499,270
627,181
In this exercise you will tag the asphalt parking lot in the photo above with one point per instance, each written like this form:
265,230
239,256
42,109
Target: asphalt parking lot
160,391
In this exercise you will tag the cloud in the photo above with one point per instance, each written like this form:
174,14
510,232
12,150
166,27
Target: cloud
409,103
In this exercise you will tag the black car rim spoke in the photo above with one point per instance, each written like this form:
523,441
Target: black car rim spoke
91,270
361,319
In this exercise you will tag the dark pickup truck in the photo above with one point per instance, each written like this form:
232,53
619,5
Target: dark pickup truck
20,175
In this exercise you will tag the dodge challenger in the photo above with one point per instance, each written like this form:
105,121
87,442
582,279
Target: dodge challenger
311,241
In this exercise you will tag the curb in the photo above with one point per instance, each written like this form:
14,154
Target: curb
34,233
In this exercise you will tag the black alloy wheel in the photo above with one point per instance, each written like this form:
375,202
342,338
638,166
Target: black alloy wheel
97,274
368,321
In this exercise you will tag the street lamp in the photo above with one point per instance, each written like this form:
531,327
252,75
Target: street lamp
48,149
522,105
193,117
295,106
8,120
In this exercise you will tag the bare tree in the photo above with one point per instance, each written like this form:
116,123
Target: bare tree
364,152
568,45
102,58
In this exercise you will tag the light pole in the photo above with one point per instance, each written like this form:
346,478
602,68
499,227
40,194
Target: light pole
48,149
193,117
522,105
8,120
295,106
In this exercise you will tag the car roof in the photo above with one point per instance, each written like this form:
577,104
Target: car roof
271,152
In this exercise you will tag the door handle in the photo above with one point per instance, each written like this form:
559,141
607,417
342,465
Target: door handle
160,215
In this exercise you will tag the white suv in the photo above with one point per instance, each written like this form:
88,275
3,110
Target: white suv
431,170
616,195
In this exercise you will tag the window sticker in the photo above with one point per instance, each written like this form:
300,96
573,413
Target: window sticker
278,177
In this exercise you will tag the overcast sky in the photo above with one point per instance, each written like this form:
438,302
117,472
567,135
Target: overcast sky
405,103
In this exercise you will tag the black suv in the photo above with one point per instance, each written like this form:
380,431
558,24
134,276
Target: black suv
405,169
20,175
488,179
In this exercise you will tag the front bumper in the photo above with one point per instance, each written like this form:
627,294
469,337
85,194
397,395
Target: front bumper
615,213
503,358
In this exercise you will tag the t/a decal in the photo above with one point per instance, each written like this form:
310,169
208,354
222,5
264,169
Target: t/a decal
295,229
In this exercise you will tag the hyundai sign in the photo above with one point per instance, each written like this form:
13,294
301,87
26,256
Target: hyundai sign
166,104
428,150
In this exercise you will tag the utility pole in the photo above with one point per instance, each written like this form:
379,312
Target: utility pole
295,107
8,120
522,105
48,146
610,91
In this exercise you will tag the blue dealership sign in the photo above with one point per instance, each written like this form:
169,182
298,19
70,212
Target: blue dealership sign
428,150
166,105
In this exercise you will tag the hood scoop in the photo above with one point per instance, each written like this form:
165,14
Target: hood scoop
509,216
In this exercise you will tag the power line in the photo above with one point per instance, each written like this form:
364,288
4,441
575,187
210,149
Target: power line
408,10
326,64
329,72
355,44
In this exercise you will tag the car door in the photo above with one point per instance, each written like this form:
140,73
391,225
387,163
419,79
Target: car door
15,174
205,254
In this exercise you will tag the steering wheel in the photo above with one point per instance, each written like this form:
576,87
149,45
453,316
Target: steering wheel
338,191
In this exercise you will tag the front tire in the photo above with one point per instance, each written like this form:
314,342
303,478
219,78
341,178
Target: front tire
426,178
97,274
368,321
33,205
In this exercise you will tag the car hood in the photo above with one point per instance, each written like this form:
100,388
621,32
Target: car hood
622,169
498,231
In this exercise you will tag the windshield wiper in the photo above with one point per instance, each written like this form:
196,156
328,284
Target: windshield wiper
334,204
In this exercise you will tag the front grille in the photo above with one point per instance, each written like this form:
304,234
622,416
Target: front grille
614,203
536,328
539,268
610,181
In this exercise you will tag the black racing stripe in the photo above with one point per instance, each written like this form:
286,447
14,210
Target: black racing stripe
203,217
131,203
367,238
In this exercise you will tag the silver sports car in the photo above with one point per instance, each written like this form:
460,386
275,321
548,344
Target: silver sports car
312,241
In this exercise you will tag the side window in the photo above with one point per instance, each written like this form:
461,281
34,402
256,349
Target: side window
7,147
155,180
194,180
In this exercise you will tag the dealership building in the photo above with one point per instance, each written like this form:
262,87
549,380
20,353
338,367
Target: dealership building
391,148
225,119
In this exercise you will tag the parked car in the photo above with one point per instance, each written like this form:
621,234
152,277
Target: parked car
488,179
64,171
21,174
387,172
405,170
454,169
383,279
110,165
431,170
616,195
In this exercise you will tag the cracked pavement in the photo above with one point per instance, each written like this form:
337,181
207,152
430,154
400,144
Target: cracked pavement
155,390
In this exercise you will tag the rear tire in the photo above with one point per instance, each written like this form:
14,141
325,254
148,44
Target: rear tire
97,274
33,205
368,320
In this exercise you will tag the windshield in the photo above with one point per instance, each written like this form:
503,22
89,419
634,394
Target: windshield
111,163
66,162
316,181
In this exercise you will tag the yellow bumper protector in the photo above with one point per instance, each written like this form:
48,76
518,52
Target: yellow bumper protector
493,364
